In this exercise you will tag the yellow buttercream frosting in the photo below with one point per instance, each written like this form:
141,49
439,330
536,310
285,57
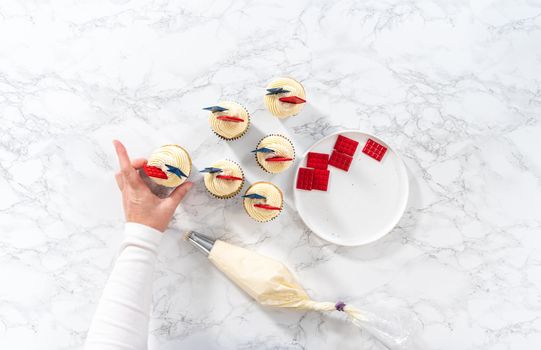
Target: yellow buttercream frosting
227,129
283,109
224,188
282,147
273,197
173,155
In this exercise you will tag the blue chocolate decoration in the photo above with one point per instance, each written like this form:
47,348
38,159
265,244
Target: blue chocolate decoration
263,150
175,171
276,91
254,196
211,170
215,109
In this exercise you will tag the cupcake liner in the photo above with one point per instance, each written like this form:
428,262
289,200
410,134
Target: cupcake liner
159,190
229,196
257,160
240,135
281,196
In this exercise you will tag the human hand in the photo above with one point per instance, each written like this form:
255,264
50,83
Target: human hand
140,204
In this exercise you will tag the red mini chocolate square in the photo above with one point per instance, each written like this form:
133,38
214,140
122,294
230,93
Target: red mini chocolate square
374,150
340,160
317,160
321,179
346,145
305,179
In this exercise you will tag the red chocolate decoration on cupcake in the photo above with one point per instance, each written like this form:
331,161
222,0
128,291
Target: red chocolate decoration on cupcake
153,171
229,118
292,99
228,177
266,206
278,159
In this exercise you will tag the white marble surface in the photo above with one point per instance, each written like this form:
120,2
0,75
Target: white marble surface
454,86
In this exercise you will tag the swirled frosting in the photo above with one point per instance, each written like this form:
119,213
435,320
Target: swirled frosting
282,147
273,197
283,109
173,155
221,187
227,129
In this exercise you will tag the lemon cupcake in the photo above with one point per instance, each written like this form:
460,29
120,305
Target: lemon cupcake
274,153
224,179
263,201
167,167
285,97
229,120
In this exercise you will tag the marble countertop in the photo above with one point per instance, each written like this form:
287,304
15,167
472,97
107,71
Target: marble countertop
454,87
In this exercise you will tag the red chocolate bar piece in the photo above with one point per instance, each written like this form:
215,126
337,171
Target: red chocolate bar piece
266,206
292,99
153,171
346,145
278,159
317,160
229,118
305,178
340,160
321,179
374,150
228,177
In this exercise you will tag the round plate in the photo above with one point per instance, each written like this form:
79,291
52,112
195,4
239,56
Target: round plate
360,205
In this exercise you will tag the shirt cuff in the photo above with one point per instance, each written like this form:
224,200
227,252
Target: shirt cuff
142,235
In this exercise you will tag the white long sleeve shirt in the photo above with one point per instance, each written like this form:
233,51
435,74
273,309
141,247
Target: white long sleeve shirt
122,317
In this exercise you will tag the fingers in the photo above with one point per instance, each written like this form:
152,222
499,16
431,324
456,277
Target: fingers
138,163
179,193
119,181
123,158
126,168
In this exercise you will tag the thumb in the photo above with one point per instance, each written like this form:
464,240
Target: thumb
179,193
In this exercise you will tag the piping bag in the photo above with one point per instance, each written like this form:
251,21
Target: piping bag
271,283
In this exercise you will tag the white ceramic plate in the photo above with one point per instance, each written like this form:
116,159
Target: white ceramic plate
361,205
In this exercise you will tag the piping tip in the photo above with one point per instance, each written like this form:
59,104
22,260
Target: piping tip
200,241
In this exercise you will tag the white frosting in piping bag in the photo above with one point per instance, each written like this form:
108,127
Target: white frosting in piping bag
271,283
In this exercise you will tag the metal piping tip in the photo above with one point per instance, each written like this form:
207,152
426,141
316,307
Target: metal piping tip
200,241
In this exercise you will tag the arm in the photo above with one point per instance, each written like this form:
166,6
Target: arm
122,316
121,320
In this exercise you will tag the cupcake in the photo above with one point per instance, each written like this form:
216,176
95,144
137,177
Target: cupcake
285,97
263,201
229,120
274,153
167,167
224,179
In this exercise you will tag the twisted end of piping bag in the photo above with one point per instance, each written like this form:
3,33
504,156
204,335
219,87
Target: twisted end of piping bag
271,283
